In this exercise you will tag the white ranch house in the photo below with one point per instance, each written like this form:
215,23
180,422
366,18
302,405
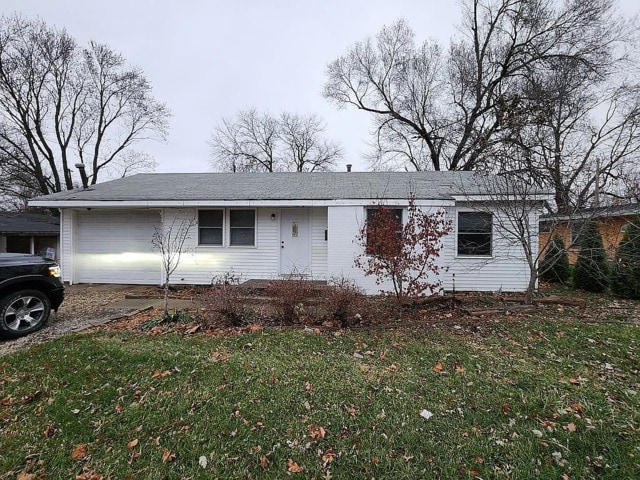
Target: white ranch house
265,226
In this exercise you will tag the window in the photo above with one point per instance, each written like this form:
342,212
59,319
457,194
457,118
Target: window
395,212
546,227
474,233
576,233
210,226
242,227
45,246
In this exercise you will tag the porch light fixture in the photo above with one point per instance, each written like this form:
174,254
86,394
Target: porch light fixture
273,216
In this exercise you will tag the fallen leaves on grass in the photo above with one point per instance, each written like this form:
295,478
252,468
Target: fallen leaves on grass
571,427
316,432
458,368
168,456
132,444
89,475
159,374
577,381
218,357
293,467
80,452
328,456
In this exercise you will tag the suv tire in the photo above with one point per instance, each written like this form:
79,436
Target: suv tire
23,312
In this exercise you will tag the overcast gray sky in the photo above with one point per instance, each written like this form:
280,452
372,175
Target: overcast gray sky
209,59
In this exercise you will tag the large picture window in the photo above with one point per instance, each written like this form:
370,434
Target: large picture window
242,227
474,233
210,227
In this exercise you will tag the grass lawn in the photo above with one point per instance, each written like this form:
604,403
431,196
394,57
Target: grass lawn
530,396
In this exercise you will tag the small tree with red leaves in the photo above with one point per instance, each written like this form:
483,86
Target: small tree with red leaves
403,253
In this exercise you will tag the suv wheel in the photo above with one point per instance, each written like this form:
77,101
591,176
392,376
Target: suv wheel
23,312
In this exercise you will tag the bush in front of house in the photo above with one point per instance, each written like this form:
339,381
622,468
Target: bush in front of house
226,301
290,299
625,280
591,271
554,267
343,302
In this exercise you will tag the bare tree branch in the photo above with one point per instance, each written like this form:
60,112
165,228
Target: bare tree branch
260,142
60,104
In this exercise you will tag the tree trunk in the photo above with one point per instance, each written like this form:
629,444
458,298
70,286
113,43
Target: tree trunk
166,299
531,288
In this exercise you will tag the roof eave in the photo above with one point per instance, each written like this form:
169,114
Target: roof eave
229,203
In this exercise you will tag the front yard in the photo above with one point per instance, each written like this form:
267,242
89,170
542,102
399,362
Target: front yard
552,394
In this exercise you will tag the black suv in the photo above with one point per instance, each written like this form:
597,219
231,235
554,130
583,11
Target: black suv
30,287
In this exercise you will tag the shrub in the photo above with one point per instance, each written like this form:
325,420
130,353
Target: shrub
591,270
226,300
404,254
554,267
625,280
289,298
343,301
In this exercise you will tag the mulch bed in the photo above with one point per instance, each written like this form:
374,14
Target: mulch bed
465,313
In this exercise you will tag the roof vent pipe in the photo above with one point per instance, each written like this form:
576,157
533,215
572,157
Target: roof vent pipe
83,175
349,167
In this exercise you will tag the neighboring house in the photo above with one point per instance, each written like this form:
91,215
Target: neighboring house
268,225
29,233
612,222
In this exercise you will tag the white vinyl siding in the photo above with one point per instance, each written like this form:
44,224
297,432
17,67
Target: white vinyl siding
506,270
344,223
67,234
114,246
319,243
200,264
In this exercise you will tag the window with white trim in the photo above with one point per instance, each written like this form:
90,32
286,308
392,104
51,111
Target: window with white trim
210,227
242,228
475,233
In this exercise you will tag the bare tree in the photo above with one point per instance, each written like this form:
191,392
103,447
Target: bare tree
581,130
302,148
260,142
246,144
629,186
130,162
436,108
61,104
169,240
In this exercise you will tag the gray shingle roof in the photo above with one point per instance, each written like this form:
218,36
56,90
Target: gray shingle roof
627,209
28,223
275,186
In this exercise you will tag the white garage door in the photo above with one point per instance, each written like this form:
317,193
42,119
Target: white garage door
115,247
